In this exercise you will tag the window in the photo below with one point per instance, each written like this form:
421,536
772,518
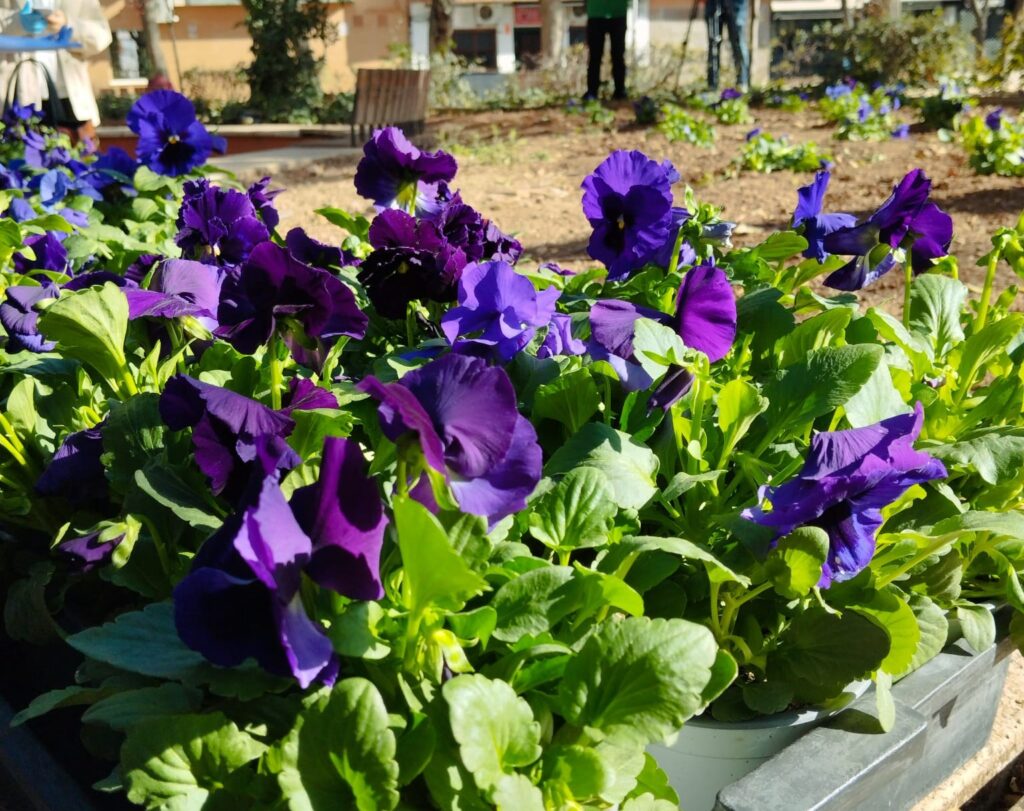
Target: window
480,47
528,47
128,55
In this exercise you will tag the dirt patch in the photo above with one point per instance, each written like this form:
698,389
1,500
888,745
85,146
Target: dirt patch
524,169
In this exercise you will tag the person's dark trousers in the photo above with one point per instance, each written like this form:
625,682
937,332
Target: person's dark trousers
615,29
731,14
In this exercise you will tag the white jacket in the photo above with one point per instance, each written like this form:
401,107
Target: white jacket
88,26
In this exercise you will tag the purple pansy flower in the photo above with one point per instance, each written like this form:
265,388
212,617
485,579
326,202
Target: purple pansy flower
994,120
628,202
304,395
848,478
88,552
412,261
392,168
138,270
503,309
612,326
687,256
310,251
19,317
75,472
115,167
171,140
559,339
675,384
179,287
463,415
225,427
705,315
730,93
217,224
20,210
750,136
905,220
902,131
274,291
343,515
241,599
816,226
499,246
262,198
50,254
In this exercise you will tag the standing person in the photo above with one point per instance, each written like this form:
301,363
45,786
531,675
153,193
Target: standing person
606,18
68,68
734,14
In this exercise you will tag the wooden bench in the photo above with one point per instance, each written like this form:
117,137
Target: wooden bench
389,97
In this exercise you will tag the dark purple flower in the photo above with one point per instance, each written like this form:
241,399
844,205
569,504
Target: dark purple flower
171,140
902,131
816,226
310,251
412,261
392,168
241,599
461,225
559,339
848,478
115,167
50,254
687,256
554,267
905,218
612,327
138,270
225,428
273,291
994,120
179,287
730,93
628,202
88,552
750,136
705,315
218,224
10,178
462,414
499,246
262,198
96,277
343,515
305,395
675,384
19,317
498,306
75,472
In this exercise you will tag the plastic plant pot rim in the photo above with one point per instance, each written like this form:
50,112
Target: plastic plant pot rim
792,718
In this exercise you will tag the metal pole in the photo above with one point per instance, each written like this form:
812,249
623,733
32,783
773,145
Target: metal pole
174,45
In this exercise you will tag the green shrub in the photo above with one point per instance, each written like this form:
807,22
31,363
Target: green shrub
994,144
764,152
678,125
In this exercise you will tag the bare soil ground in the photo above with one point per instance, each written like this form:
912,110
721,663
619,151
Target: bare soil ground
523,169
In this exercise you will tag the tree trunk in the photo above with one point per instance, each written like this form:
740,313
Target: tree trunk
847,11
440,25
979,8
552,29
892,8
152,12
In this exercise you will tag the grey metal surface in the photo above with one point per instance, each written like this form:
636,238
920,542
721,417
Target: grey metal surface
944,713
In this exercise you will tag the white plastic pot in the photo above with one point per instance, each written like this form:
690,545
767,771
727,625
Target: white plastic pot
708,755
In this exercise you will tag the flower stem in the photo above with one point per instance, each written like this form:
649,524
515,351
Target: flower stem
986,291
908,280
276,378
129,382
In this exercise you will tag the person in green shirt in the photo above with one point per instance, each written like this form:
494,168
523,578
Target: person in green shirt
606,18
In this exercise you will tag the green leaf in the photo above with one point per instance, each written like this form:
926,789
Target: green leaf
341,753
90,326
515,792
995,454
914,346
657,347
890,612
638,680
576,513
73,696
684,549
570,399
494,727
936,304
884,701
532,603
814,333
579,768
356,224
133,436
794,565
978,626
1017,630
630,466
934,630
10,239
433,574
876,401
819,654
985,346
125,710
825,380
739,404
767,698
26,614
179,761
353,633
781,245
161,483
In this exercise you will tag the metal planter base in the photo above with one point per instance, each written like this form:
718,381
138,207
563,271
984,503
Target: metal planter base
944,714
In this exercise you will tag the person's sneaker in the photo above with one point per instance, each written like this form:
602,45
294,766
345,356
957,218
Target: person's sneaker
620,96
589,97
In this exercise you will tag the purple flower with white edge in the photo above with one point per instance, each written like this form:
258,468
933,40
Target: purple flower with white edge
391,169
994,120
171,140
462,414
559,339
815,225
19,317
50,254
499,246
498,306
628,202
218,224
75,472
905,220
274,292
848,478
343,515
262,198
225,426
241,599
179,287
412,261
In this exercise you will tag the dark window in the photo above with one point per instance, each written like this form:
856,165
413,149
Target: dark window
528,47
128,55
477,46
578,35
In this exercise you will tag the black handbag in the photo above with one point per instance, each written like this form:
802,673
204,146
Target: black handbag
55,110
